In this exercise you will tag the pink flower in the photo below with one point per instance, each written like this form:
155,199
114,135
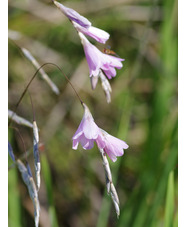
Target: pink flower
82,24
99,61
96,33
73,15
88,132
113,146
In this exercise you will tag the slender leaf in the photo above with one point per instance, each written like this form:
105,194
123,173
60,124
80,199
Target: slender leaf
169,207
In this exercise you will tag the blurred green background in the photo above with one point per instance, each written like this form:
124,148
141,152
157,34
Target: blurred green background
143,112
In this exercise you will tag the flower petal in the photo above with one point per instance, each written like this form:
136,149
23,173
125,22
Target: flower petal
96,33
113,146
100,141
73,15
117,142
115,61
97,60
87,144
75,144
79,131
110,72
111,155
90,129
92,56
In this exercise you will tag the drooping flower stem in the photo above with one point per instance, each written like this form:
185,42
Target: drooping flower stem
33,77
44,76
24,92
68,81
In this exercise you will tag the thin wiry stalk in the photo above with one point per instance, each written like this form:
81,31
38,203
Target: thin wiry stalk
33,77
19,120
23,94
109,184
45,77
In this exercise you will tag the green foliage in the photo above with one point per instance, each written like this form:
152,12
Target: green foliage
143,112
14,200
169,207
48,183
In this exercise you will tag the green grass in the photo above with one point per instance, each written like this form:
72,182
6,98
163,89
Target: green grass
143,112
48,183
14,200
169,206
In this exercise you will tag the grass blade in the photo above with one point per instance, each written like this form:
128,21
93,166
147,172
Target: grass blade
169,207
48,183
14,204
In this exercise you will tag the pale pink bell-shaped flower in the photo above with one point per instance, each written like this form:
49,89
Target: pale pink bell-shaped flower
112,145
96,33
87,131
73,15
100,61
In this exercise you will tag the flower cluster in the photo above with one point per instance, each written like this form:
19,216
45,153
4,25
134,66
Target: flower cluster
103,66
82,24
98,62
88,133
